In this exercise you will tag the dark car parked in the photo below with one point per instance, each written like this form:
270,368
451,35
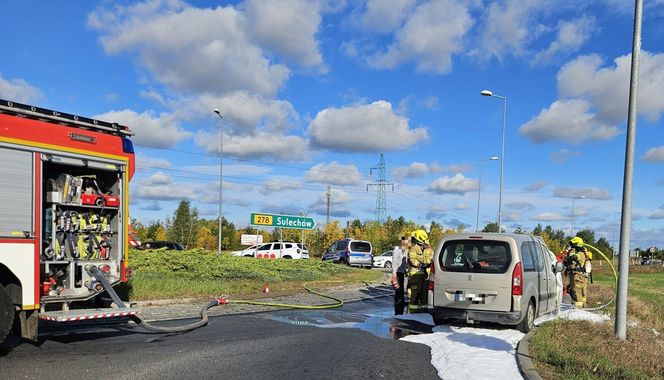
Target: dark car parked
164,245
350,252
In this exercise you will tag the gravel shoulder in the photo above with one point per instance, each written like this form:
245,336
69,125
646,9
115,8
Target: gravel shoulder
156,310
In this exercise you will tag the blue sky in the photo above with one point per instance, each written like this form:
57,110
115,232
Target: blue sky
313,91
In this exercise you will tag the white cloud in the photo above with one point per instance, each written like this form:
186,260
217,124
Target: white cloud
568,120
151,163
563,155
415,170
336,211
363,128
334,173
520,205
608,87
592,193
385,15
188,48
453,185
18,90
161,131
659,214
278,185
337,197
157,179
579,211
430,35
161,187
548,217
594,99
461,207
242,170
286,27
571,35
457,168
511,216
434,211
655,154
244,113
507,29
535,186
259,145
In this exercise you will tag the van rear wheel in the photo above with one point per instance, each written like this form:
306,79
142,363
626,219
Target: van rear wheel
6,313
528,321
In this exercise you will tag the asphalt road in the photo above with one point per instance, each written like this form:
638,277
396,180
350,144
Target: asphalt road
273,345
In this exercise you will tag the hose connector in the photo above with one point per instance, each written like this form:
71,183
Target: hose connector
94,285
223,300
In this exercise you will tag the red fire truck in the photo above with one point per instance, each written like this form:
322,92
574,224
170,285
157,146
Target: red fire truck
50,235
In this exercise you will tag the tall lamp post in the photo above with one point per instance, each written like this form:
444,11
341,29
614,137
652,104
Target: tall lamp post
502,155
572,227
221,174
479,192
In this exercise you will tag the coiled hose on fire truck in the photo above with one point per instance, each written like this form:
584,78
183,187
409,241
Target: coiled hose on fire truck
96,273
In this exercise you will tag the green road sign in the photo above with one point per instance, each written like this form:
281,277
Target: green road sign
282,221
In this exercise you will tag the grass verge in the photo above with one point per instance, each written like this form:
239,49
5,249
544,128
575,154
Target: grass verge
200,273
564,349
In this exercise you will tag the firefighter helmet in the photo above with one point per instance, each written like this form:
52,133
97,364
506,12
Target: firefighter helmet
420,237
576,242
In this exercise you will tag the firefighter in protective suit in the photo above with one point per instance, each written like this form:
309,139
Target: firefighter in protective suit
577,263
419,261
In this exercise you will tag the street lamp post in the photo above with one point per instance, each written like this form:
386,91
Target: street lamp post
502,155
572,227
221,175
479,192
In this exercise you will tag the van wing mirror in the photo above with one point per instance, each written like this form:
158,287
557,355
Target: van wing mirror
558,267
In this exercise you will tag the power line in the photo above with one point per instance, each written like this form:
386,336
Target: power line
260,163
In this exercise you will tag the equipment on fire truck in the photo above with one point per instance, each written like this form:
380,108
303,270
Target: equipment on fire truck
79,190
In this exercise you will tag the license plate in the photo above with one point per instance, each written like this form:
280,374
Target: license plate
458,296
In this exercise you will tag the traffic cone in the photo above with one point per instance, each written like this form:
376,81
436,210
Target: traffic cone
266,288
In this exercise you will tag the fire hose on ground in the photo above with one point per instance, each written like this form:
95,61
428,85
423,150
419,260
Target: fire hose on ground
615,278
97,274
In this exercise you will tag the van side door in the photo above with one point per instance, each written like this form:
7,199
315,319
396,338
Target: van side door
553,281
530,273
543,266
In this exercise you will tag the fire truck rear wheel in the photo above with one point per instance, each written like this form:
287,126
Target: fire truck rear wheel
6,313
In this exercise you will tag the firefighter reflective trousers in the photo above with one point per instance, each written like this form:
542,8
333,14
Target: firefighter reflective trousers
417,292
578,288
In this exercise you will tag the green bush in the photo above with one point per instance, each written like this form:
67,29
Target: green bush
201,264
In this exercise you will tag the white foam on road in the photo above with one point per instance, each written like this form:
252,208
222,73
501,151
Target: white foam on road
472,353
479,353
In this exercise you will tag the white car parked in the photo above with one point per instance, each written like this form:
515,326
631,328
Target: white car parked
276,250
383,261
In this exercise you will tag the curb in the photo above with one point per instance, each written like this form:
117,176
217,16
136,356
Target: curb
523,359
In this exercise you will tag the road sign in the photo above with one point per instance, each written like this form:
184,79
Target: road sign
282,221
246,239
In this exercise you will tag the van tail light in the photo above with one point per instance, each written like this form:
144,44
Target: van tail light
517,280
432,277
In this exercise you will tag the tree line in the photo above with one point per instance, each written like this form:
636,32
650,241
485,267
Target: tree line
187,228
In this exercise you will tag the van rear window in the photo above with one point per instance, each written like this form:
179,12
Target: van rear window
360,246
475,256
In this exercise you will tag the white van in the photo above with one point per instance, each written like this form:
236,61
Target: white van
490,277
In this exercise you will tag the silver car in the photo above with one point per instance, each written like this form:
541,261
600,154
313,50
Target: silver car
504,278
